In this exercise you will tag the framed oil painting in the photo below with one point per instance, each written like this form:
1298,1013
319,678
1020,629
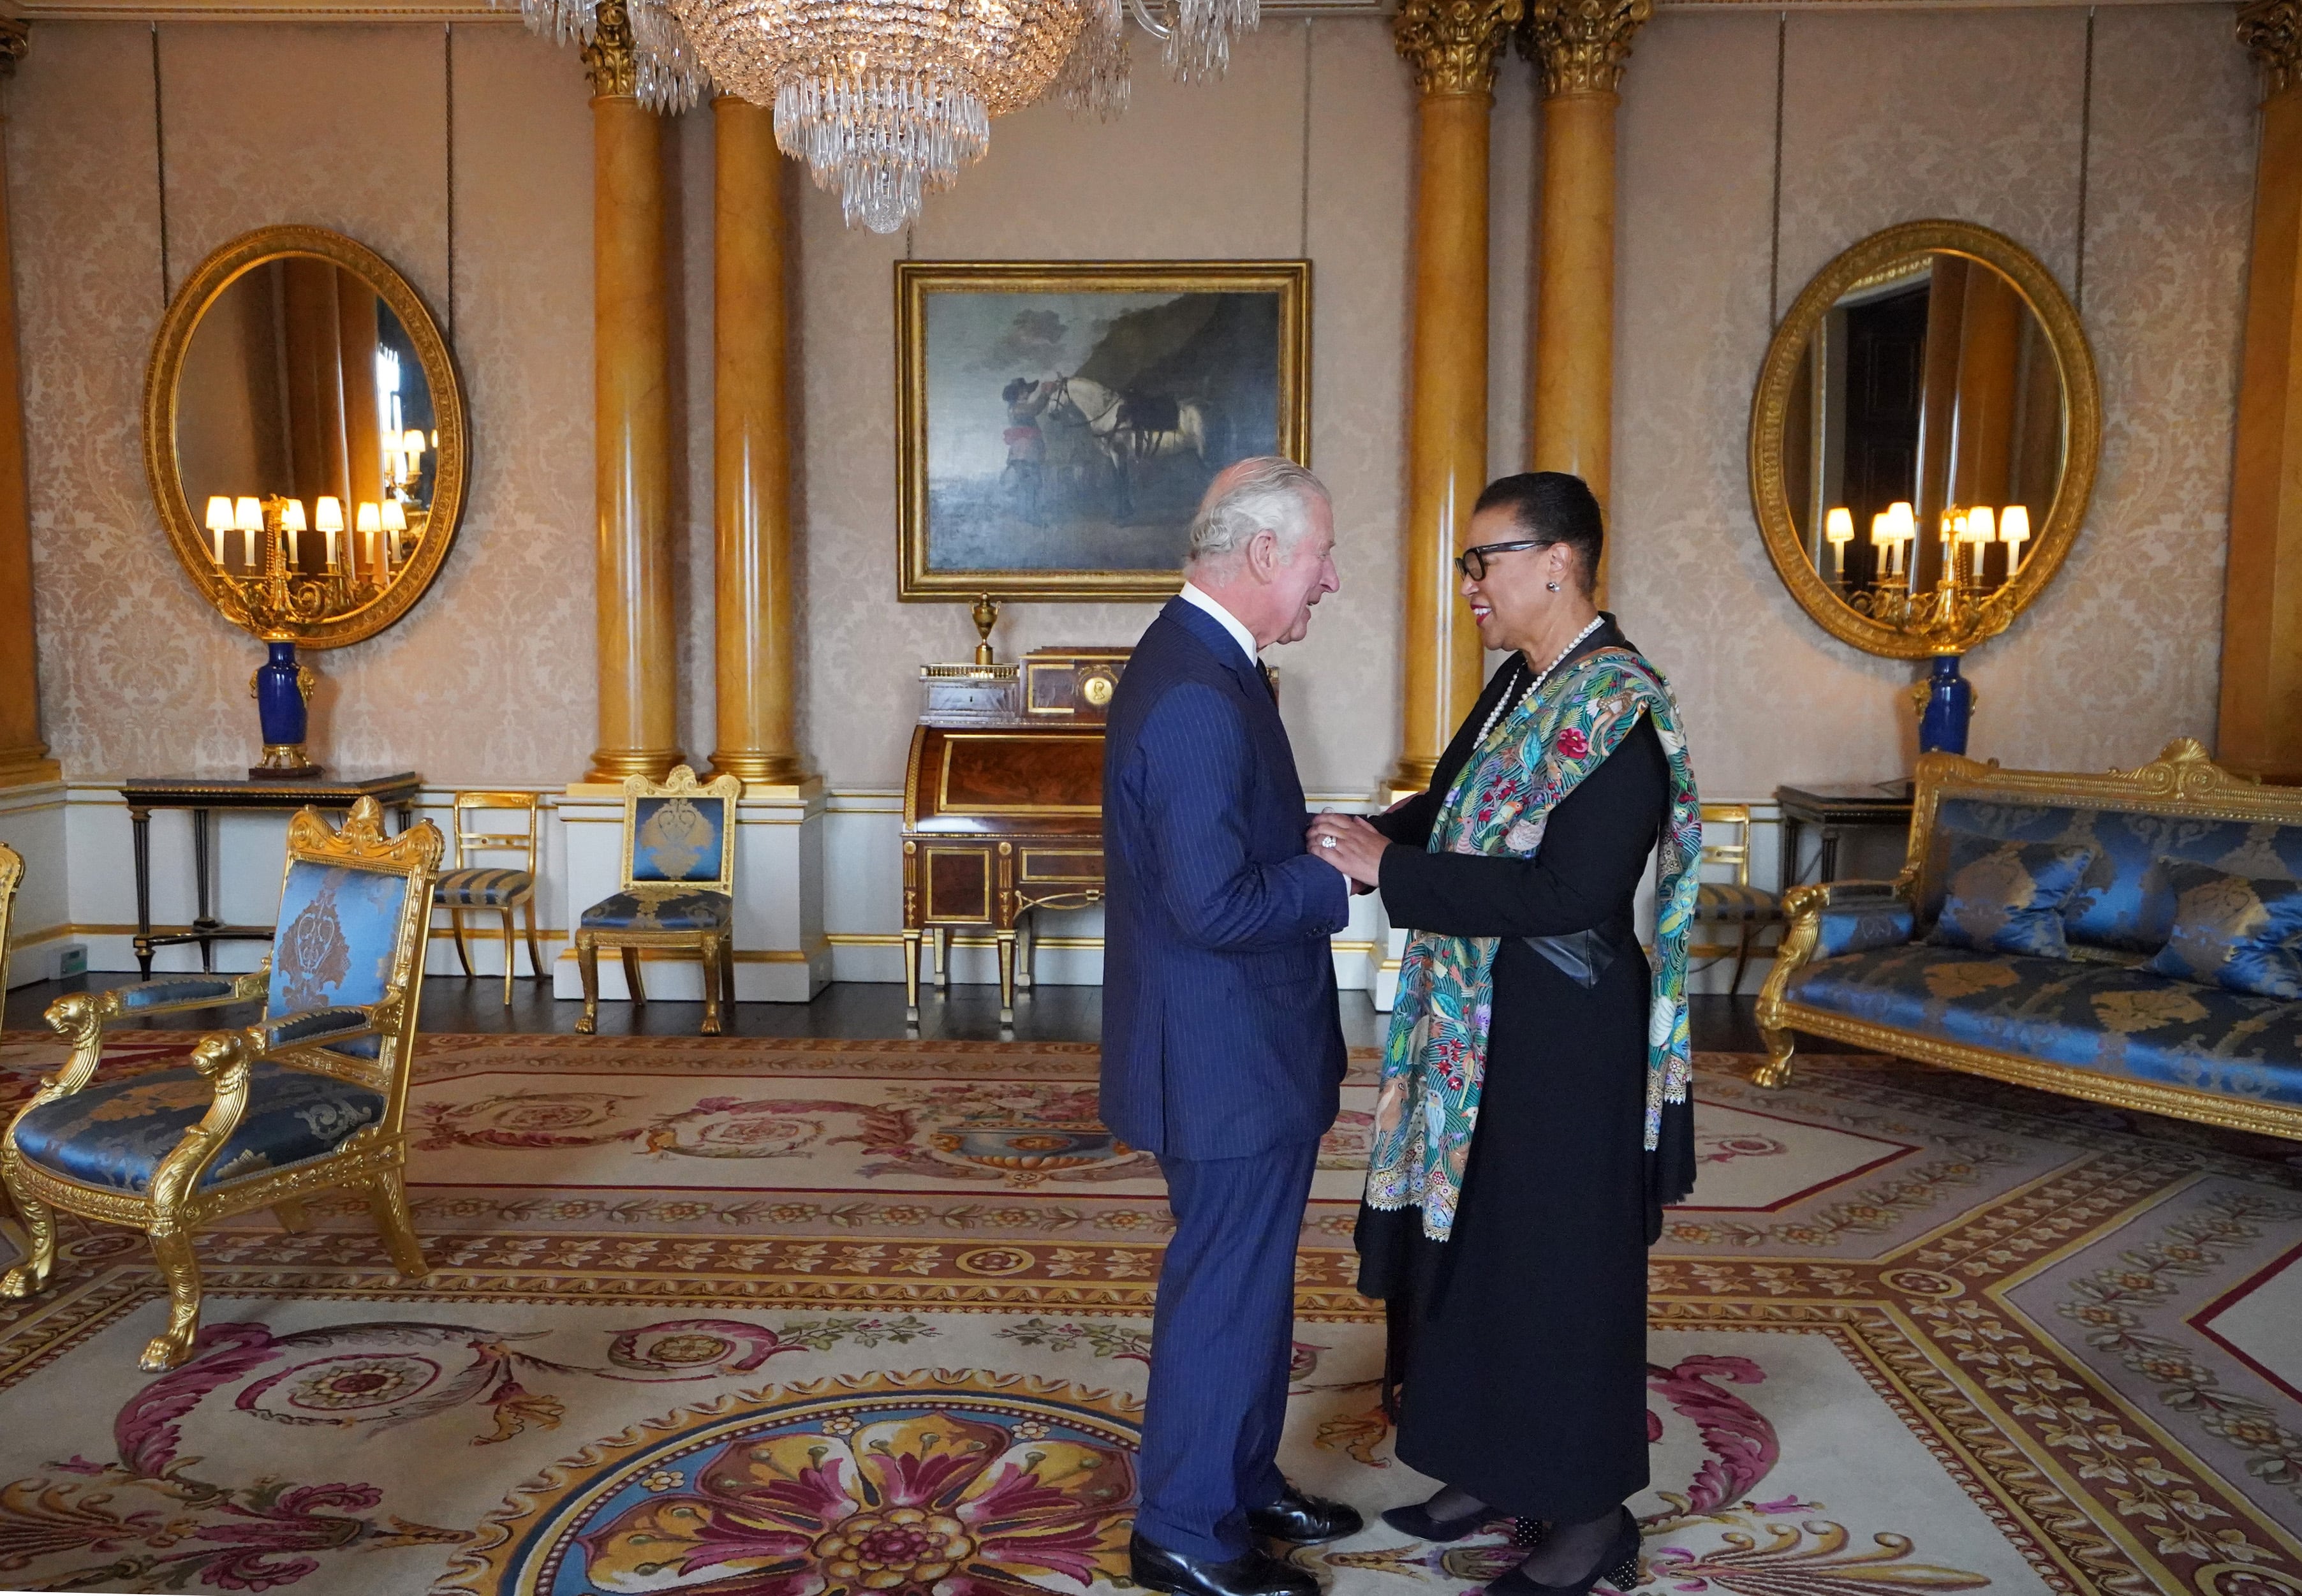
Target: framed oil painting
1056,423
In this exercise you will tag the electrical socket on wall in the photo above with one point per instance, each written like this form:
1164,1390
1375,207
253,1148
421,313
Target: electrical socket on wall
72,959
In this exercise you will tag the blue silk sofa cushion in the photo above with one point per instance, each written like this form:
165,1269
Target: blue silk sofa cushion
115,1134
334,942
2116,1020
481,888
2122,903
678,838
2233,931
661,910
2004,897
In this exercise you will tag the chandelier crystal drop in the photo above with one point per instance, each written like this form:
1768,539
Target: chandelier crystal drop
670,75
1197,47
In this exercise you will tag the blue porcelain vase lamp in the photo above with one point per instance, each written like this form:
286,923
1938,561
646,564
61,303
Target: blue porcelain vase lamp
1932,382
373,484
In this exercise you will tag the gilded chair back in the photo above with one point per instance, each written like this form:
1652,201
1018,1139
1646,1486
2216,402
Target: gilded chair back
354,908
680,831
12,875
473,838
1734,855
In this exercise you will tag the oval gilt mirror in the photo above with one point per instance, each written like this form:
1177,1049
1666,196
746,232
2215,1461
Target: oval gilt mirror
1923,438
304,436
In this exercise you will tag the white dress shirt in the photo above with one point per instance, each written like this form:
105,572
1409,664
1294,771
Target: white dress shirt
1240,634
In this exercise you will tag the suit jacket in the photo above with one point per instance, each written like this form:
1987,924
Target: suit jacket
1219,1032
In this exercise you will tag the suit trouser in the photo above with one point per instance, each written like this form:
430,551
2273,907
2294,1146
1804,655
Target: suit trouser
1222,1344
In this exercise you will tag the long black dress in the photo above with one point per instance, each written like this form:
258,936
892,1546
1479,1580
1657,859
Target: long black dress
1518,1346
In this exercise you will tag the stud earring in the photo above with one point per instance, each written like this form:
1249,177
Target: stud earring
1553,586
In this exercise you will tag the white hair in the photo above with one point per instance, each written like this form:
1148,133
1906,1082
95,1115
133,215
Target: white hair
1263,492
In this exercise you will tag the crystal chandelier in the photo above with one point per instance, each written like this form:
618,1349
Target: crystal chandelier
885,100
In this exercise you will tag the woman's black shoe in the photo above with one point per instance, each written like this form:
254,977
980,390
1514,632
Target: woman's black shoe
1618,1566
1415,1519
1254,1572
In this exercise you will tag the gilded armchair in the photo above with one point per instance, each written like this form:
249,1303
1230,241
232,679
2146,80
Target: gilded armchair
678,889
310,1098
12,875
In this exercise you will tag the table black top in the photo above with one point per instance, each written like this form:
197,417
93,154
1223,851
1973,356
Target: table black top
340,790
1886,799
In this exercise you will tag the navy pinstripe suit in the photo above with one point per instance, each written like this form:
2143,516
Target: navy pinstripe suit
1222,1053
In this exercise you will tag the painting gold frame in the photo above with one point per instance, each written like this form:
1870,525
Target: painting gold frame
186,533
1769,406
2182,784
1290,279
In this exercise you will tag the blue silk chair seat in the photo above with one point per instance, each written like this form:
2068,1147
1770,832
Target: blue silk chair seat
114,1134
481,888
1733,903
2118,1020
659,910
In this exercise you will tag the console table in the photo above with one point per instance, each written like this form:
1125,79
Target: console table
203,795
1834,810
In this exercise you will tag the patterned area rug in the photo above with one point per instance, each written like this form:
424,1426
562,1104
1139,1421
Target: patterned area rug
744,1317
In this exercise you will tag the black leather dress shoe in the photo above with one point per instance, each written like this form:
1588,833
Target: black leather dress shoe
1254,1572
1305,1520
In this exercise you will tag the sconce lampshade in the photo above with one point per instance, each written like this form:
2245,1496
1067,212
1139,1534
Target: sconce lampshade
248,514
369,521
330,514
291,515
395,519
220,515
1838,525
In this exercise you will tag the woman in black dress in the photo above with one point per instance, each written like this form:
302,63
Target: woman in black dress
1513,1264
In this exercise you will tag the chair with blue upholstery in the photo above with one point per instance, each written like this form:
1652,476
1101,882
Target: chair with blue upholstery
312,1098
1733,905
678,890
501,888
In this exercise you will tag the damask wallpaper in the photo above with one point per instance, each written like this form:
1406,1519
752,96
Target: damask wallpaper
1306,149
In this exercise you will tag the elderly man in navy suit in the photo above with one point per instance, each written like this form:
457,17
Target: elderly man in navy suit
1222,1050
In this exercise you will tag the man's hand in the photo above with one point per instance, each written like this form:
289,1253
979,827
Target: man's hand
1351,845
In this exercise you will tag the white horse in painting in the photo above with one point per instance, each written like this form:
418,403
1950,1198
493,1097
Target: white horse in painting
1132,428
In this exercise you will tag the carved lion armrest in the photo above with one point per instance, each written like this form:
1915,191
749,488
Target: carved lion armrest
1835,918
82,1017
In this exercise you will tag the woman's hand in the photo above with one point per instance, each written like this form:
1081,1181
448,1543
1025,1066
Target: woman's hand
1351,845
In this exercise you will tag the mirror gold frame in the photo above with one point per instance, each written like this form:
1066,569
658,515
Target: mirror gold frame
161,465
1769,406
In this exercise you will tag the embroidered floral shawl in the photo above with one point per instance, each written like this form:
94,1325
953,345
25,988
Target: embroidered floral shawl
1499,806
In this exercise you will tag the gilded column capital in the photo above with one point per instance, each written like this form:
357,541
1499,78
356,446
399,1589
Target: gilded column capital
610,60
2271,32
15,39
1453,45
1581,45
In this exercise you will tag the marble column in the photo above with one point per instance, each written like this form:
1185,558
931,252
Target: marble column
631,400
1452,47
1579,47
23,757
750,458
2261,723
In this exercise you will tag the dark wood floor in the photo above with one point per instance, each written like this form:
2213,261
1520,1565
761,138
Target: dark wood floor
848,1009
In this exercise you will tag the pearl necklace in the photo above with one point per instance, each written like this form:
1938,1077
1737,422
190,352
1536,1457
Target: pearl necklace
1540,677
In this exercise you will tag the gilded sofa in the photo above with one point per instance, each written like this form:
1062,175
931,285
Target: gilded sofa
1857,966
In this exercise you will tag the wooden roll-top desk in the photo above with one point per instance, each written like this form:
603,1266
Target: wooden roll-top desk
1003,814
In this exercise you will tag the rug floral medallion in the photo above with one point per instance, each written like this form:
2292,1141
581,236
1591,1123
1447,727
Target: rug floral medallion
737,1317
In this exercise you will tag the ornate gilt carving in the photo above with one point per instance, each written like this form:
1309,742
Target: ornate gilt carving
1581,46
1453,45
610,60
2271,32
15,39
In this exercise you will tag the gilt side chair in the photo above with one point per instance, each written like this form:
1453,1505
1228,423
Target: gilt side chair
678,889
1733,903
471,887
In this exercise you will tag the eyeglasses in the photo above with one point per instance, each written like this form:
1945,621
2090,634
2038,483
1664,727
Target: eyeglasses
1473,562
